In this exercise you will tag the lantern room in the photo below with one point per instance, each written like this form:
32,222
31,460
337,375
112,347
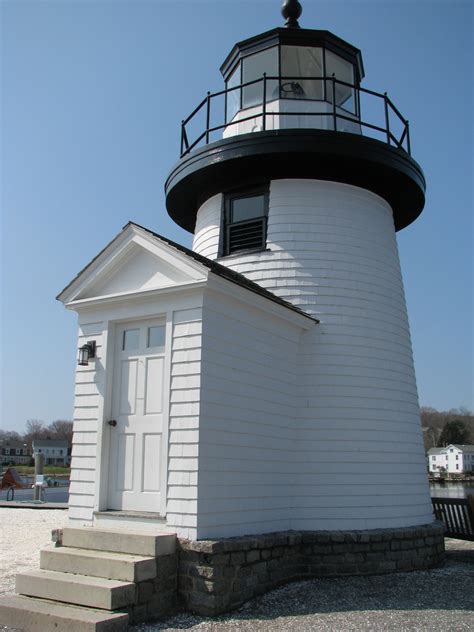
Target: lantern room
292,78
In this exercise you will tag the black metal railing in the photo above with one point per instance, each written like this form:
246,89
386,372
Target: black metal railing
457,515
385,123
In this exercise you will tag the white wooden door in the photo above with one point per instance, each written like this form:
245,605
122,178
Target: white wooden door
136,442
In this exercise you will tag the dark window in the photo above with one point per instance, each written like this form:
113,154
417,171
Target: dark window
245,221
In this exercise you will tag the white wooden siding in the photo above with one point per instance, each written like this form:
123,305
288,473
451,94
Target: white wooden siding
207,230
88,385
184,422
246,447
333,252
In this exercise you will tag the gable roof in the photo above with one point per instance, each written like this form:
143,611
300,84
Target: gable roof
433,451
214,267
458,446
50,443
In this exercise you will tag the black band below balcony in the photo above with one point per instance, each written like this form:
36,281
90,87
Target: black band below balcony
251,159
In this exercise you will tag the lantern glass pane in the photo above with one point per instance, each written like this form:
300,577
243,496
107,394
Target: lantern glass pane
253,68
298,62
343,71
233,97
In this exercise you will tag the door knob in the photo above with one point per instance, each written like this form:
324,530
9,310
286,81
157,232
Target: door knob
112,423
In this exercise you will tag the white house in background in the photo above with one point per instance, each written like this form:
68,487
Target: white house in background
453,459
55,452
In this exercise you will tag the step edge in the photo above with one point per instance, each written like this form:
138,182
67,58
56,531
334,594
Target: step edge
97,554
63,576
27,599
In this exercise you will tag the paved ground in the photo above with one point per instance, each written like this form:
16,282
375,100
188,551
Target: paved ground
441,599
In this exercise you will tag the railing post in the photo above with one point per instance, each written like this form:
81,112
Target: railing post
387,121
264,106
334,113
407,126
208,116
182,138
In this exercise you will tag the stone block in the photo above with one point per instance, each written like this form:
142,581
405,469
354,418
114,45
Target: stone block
337,537
237,558
162,603
220,560
253,556
322,549
246,571
377,546
185,583
145,591
138,613
405,565
207,572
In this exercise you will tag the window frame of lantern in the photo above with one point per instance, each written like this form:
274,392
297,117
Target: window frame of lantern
321,41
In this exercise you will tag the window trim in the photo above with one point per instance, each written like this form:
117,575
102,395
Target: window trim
227,198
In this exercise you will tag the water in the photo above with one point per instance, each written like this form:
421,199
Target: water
452,489
57,493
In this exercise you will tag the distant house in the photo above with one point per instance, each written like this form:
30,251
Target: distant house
56,452
14,453
453,459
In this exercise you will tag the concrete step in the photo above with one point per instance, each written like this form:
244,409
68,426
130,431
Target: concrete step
40,615
120,566
93,592
143,521
134,543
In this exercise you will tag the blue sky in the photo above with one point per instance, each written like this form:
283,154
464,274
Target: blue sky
92,95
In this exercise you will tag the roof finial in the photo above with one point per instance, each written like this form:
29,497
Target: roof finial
291,11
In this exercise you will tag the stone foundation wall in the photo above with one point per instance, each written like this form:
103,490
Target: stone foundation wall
155,598
216,576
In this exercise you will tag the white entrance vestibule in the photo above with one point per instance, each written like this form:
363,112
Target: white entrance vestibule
146,405
136,445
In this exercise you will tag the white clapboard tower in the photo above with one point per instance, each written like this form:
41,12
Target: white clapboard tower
302,189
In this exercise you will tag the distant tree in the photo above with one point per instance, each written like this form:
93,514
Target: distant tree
454,431
35,429
10,435
60,429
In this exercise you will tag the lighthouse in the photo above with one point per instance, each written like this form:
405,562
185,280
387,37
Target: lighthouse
246,411
303,194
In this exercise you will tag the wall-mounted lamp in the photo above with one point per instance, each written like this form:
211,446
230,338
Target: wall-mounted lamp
86,352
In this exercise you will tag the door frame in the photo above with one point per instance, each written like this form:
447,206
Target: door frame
104,430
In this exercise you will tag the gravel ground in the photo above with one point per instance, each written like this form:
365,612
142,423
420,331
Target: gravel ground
440,599
23,532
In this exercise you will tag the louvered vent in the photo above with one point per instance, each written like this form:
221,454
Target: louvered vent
245,235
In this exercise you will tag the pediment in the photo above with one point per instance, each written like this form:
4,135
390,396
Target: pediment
133,262
141,270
